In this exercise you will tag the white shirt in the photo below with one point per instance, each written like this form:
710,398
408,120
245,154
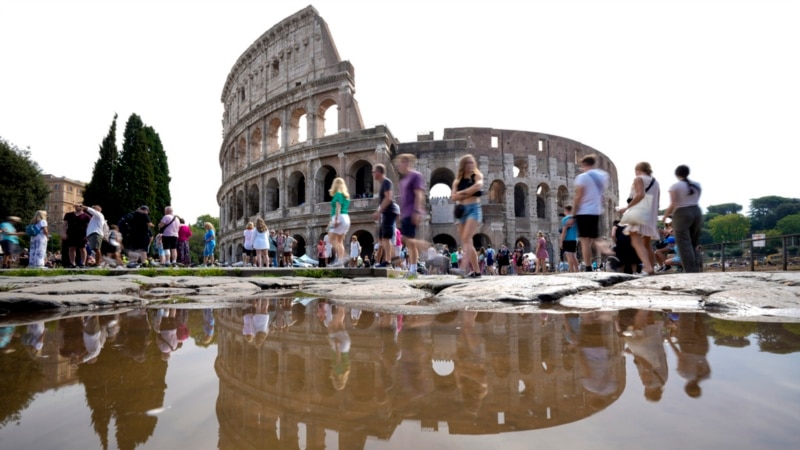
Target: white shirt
96,223
594,183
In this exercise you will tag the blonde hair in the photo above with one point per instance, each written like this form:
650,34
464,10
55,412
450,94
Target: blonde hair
462,163
644,167
249,225
39,216
339,185
261,226
540,234
208,225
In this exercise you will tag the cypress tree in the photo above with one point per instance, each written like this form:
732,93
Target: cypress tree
161,176
100,190
134,177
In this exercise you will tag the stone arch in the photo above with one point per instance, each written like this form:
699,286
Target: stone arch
296,365
324,181
322,118
272,194
481,240
443,176
521,167
296,189
563,197
367,241
274,132
497,192
361,171
526,243
231,210
446,239
252,200
542,192
256,139
298,122
300,248
230,160
239,205
271,362
241,154
521,202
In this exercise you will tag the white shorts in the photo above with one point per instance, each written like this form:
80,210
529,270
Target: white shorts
344,224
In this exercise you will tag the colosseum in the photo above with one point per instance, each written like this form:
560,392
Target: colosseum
292,124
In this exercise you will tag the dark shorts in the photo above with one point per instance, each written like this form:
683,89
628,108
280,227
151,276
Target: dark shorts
251,252
386,230
588,226
170,242
95,241
407,228
271,253
502,261
140,243
76,242
10,248
570,246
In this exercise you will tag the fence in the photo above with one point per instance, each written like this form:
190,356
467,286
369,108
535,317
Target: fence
754,246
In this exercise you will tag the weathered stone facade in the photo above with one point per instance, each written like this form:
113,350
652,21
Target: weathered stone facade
281,151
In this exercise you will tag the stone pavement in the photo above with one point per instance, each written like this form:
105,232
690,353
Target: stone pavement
757,296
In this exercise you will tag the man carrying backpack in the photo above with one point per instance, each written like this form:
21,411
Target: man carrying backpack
138,225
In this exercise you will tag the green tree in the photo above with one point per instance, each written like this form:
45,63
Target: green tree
789,224
134,176
725,208
161,176
729,228
100,190
765,212
197,241
21,184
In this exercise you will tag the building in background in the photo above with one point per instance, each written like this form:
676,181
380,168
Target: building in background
64,193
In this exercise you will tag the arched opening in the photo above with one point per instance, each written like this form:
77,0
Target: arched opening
297,126
296,365
255,145
274,136
525,243
541,200
441,183
297,189
326,121
239,205
446,239
481,240
497,192
367,242
272,195
231,210
520,167
241,154
563,197
363,176
300,248
521,200
252,200
324,180
231,160
271,361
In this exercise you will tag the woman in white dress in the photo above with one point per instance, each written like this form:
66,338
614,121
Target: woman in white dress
261,243
645,189
38,250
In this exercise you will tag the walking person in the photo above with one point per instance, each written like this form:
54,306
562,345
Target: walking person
387,213
645,194
541,253
261,243
321,253
169,227
355,251
590,185
467,191
138,234
210,240
184,233
38,249
9,241
687,219
569,239
95,232
288,246
340,219
412,202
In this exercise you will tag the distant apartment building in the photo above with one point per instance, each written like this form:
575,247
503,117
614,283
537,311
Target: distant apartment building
64,193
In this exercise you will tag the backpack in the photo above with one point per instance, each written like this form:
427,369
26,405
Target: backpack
32,229
124,224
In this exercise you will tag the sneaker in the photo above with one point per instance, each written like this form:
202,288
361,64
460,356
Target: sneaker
474,275
339,263
382,265
613,263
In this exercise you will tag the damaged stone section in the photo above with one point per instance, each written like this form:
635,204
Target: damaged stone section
750,296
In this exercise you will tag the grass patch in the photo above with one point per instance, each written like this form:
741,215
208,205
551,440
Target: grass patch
8,287
318,273
35,272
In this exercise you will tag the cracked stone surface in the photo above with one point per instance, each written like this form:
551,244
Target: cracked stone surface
760,296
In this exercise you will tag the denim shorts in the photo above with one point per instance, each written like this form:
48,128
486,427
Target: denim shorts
471,211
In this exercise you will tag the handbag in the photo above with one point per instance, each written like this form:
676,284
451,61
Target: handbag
458,211
639,213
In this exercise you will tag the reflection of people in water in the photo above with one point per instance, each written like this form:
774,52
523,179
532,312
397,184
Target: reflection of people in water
691,351
597,352
248,329
94,337
645,340
260,320
166,328
33,339
339,340
134,335
208,326
470,365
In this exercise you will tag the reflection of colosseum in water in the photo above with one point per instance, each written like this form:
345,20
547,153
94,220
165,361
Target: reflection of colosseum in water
452,373
292,124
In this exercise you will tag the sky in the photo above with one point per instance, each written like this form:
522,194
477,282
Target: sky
714,85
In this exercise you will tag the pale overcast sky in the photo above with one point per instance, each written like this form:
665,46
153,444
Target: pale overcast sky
711,84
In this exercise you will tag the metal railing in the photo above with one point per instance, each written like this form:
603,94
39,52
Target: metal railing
751,244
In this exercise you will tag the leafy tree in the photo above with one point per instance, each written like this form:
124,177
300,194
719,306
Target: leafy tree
100,190
765,212
789,224
134,176
729,228
725,208
161,176
197,241
21,184
207,218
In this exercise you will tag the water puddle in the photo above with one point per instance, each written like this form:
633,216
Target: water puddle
303,373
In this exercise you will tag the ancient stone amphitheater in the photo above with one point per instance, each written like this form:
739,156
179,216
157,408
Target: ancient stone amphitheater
292,124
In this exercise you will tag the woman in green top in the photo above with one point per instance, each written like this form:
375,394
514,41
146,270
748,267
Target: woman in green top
340,219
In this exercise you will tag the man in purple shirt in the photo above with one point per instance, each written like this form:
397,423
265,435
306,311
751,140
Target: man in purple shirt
412,200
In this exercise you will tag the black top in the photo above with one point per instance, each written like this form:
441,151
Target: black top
465,183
